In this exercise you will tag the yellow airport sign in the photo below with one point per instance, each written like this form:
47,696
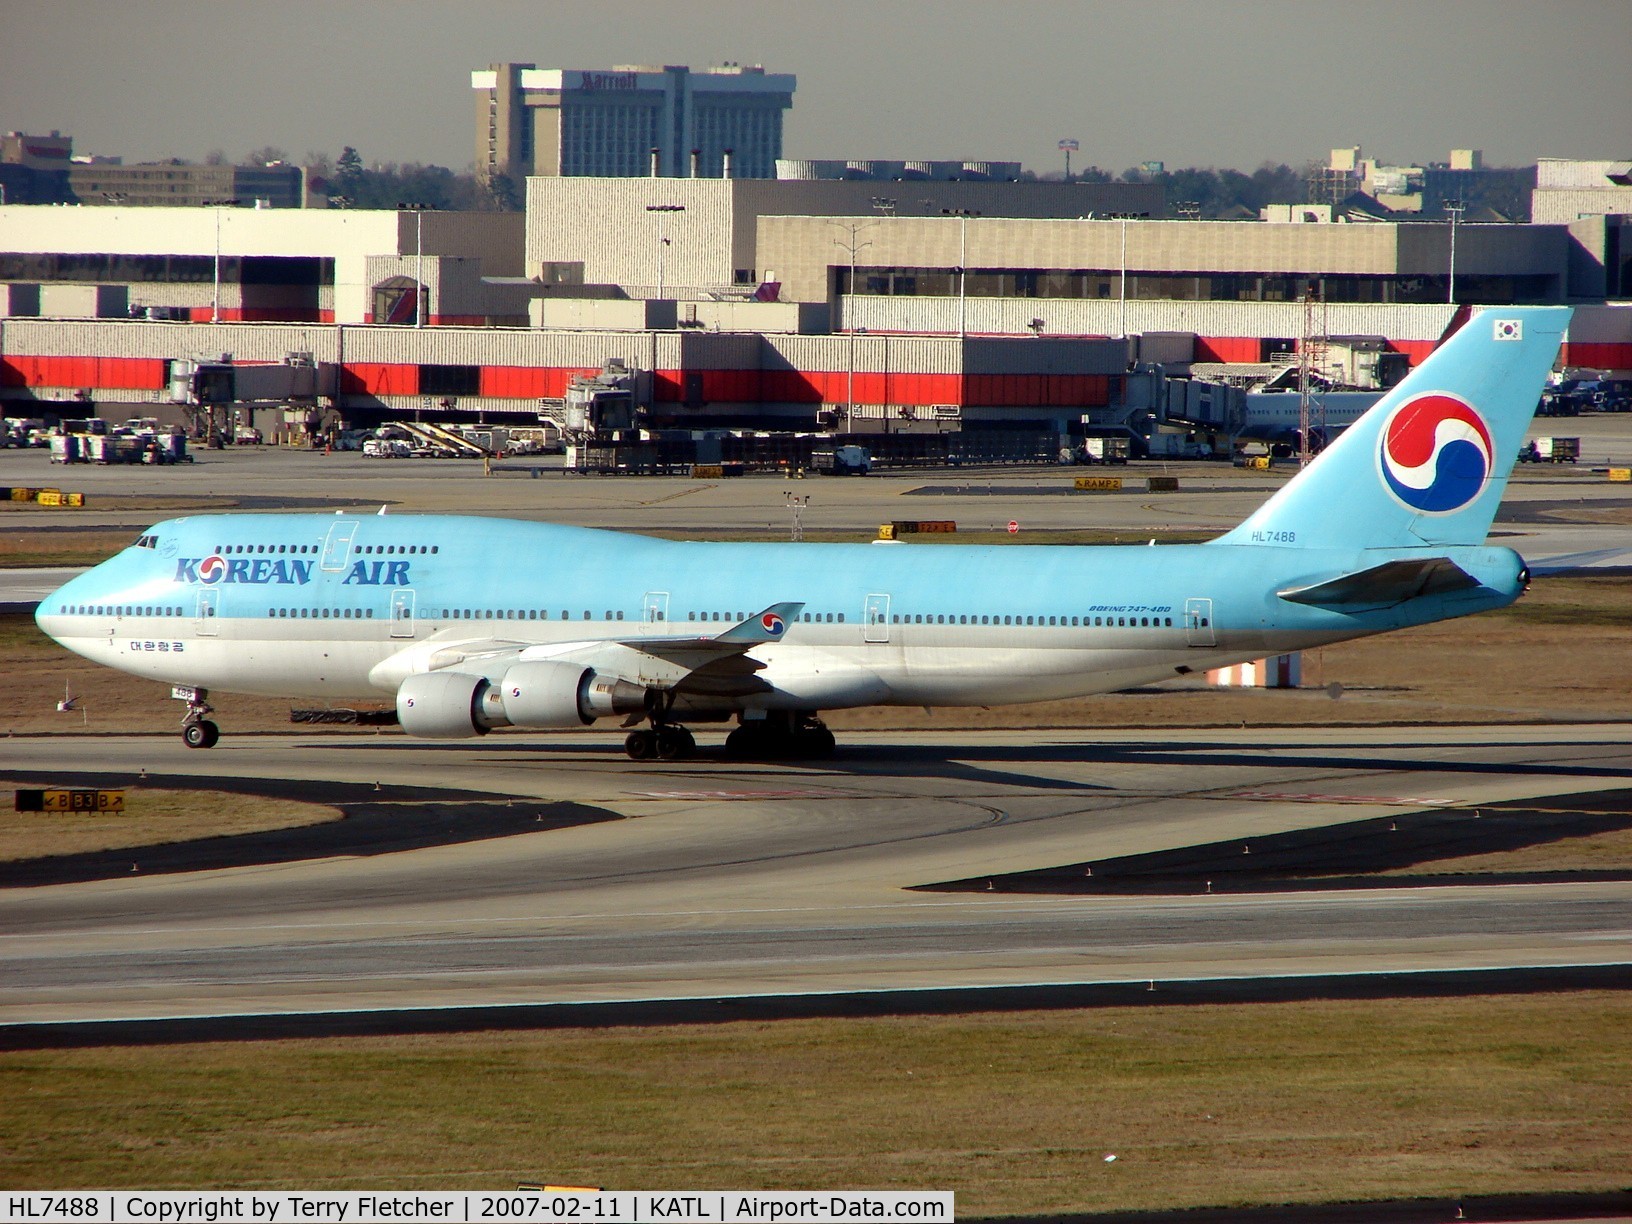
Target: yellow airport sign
70,799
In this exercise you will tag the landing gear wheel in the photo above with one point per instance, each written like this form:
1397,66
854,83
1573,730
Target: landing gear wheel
747,741
674,743
201,734
640,745
814,741
778,738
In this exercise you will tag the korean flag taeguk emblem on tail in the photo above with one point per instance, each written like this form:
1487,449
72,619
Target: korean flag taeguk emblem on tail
1435,453
773,624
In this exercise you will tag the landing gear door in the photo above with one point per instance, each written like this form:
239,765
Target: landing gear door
204,616
337,547
1198,622
402,614
875,619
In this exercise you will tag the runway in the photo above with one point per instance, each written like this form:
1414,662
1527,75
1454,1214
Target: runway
718,879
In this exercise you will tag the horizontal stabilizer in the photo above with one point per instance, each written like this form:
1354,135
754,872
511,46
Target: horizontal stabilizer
1392,582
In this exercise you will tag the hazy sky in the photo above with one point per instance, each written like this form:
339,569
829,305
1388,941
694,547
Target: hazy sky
1182,81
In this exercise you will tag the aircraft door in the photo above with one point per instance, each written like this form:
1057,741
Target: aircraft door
402,614
337,546
209,604
1198,622
875,619
654,613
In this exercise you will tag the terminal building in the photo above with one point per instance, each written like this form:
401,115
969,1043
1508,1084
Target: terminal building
240,264
742,302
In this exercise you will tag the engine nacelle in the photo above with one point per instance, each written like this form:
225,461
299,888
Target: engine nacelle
458,705
444,705
550,694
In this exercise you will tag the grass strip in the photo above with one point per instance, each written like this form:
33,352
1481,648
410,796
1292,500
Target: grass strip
1207,1105
151,818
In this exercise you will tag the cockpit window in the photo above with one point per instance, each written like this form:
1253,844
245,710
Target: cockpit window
147,541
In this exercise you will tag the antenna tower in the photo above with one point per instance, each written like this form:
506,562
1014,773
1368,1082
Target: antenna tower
1312,351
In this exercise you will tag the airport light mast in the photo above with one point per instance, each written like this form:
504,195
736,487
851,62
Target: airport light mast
215,297
1454,209
662,237
854,246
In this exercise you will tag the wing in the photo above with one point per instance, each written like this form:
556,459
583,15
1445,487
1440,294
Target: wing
659,662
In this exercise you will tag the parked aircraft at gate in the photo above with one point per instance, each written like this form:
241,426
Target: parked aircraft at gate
473,624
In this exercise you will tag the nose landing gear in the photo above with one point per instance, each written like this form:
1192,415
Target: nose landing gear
197,731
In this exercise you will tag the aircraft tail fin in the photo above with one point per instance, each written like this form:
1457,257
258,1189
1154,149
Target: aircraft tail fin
1427,465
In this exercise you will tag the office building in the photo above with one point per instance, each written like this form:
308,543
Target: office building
629,121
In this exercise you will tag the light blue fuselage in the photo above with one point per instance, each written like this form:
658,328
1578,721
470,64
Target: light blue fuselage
318,606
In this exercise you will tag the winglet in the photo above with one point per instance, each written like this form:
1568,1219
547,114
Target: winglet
771,625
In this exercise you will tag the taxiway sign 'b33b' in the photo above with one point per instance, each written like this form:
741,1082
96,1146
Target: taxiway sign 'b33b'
473,624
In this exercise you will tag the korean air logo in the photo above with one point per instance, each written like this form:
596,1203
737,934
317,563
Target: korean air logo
1435,454
773,624
212,569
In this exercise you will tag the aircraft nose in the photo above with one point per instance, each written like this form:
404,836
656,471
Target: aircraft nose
50,613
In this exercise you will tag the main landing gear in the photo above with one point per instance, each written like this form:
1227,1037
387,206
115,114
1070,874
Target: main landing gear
781,735
664,742
197,731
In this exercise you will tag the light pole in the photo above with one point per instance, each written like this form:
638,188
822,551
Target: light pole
963,215
215,297
418,209
1122,218
662,239
1454,209
854,246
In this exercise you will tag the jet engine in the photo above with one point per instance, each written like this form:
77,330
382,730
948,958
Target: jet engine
457,705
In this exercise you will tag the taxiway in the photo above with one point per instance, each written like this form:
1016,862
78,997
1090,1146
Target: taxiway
719,879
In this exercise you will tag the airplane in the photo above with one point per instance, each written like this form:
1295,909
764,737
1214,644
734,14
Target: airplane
474,624
1274,417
